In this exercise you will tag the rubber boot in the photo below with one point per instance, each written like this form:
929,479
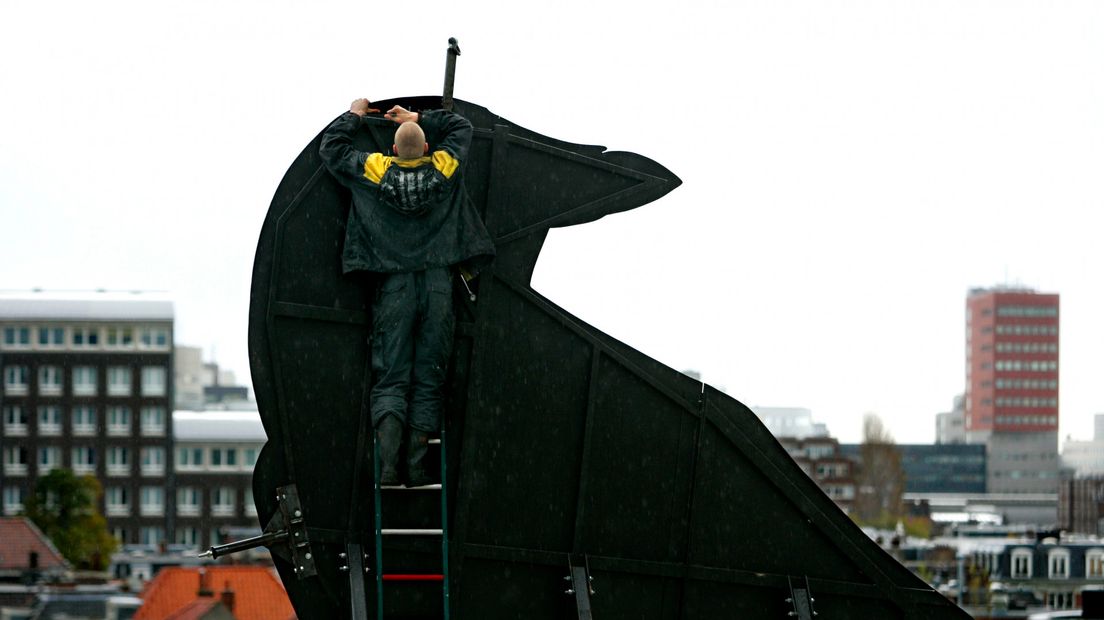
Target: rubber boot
389,438
416,450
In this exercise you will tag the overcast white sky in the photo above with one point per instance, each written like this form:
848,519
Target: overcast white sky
850,168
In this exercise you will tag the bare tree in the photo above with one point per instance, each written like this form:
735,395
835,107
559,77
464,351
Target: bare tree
881,479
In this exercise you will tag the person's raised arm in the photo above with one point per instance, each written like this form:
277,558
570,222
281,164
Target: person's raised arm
340,158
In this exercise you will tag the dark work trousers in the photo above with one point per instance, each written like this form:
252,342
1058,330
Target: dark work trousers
411,343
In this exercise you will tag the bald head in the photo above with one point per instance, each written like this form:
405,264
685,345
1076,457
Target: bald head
410,141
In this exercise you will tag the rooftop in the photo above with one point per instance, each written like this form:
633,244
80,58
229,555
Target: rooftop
258,595
84,306
19,538
227,426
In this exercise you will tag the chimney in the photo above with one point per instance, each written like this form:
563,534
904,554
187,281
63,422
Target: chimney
227,596
204,586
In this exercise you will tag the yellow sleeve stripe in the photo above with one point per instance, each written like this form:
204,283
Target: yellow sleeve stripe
446,163
375,165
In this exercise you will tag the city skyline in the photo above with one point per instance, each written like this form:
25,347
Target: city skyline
863,166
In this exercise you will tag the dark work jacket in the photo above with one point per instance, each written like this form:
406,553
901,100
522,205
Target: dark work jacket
407,215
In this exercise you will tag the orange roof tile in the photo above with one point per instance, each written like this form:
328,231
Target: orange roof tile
194,610
258,595
19,537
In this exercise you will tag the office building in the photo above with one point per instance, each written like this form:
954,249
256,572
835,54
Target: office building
1012,386
203,385
793,422
1085,458
215,455
950,426
938,468
86,387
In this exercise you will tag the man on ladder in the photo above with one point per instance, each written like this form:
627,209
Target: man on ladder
412,224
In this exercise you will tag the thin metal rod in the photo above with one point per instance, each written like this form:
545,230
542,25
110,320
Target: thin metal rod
444,524
409,532
379,524
264,540
450,73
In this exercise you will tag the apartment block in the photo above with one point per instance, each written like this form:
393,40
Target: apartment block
86,386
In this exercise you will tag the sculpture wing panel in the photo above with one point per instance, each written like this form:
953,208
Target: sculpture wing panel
567,448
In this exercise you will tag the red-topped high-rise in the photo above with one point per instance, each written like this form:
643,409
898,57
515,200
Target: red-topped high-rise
1012,386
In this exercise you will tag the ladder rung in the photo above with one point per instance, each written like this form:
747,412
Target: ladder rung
424,487
413,577
435,442
405,532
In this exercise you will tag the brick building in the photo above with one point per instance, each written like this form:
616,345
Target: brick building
1081,505
820,458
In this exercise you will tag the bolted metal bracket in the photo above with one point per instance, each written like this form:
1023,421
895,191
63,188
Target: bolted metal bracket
298,544
801,601
285,535
581,587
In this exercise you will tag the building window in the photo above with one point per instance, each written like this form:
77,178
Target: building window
15,380
118,421
117,501
1059,600
13,500
49,380
154,338
222,502
153,501
1035,311
84,420
1021,564
153,461
86,337
15,461
187,501
1058,564
153,421
120,337
118,381
15,421
188,536
84,460
1094,564
151,535
118,461
189,459
51,337
49,459
153,381
84,381
249,457
49,420
17,337
224,458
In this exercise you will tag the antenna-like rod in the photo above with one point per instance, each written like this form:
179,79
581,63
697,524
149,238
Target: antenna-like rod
450,73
